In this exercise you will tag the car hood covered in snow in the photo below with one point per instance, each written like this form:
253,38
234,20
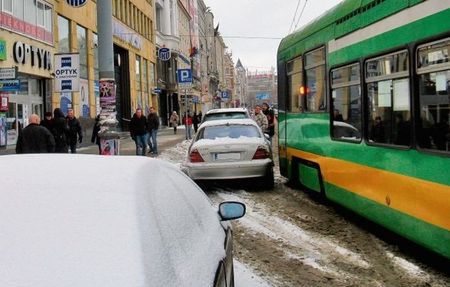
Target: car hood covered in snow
75,220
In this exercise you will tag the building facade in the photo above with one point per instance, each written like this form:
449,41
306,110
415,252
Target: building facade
33,31
241,84
261,87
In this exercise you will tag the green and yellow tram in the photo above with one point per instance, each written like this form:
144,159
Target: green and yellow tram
364,106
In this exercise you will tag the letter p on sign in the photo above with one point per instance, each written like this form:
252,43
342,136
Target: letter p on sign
184,76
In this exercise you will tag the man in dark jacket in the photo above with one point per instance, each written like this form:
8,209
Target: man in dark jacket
35,139
138,131
74,131
152,127
60,131
47,122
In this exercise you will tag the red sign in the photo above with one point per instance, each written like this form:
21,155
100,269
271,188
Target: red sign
4,103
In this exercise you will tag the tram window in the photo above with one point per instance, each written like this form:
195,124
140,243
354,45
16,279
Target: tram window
295,81
434,96
315,80
346,102
389,112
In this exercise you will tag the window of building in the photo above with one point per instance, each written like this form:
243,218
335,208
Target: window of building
30,14
389,99
346,101
158,18
7,6
18,9
96,73
138,81
315,80
48,18
40,14
82,49
433,67
152,75
63,35
295,101
145,76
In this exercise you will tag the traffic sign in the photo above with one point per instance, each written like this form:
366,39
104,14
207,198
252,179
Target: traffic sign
184,76
164,54
76,3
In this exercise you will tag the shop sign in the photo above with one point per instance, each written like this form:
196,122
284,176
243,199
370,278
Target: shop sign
67,76
127,35
2,50
24,53
76,3
8,73
9,85
4,103
164,54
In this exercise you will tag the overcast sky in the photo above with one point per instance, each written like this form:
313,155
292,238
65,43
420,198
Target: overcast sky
261,18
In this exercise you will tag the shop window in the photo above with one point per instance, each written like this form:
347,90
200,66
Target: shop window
295,102
389,99
315,80
346,101
433,67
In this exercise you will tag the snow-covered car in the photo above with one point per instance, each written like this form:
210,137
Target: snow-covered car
226,113
81,220
230,149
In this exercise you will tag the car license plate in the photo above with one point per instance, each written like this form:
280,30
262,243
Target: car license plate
229,155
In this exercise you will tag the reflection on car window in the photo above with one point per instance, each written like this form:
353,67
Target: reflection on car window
221,116
231,131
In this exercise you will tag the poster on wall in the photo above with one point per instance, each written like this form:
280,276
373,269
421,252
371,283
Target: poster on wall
109,146
107,99
84,98
97,97
66,102
3,135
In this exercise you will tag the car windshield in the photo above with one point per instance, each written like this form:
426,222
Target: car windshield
225,115
231,131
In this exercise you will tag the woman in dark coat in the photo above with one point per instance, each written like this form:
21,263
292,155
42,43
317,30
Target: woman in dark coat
60,131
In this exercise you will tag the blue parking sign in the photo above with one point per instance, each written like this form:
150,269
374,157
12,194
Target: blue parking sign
184,76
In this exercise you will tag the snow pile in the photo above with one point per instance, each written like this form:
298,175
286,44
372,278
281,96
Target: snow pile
80,220
244,276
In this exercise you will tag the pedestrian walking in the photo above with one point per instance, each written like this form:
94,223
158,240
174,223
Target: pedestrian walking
195,122
95,130
152,127
187,121
138,131
260,119
47,122
60,131
269,113
174,118
200,116
75,134
35,138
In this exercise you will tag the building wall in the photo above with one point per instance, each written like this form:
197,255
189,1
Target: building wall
133,31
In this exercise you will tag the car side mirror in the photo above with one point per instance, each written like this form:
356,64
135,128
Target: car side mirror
230,210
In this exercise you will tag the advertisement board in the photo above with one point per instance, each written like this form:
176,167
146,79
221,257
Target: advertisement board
67,72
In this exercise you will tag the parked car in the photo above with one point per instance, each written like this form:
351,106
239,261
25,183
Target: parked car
80,220
230,149
226,113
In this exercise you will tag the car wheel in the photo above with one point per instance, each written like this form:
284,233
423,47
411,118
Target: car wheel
268,181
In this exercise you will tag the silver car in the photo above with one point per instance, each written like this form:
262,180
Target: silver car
230,149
